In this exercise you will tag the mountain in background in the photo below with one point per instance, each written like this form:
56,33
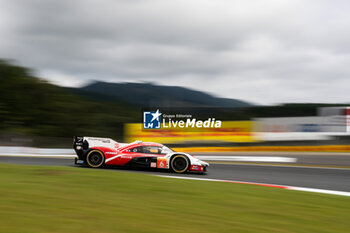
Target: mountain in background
151,95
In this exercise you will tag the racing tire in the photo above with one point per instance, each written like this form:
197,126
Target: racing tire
179,163
95,158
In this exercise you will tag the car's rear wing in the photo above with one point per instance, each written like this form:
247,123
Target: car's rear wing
80,142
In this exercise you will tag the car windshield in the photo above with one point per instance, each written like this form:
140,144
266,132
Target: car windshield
166,150
151,150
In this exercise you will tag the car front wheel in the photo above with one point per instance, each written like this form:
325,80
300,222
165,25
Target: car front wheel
179,164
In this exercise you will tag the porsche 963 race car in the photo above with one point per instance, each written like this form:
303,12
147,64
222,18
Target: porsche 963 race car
97,152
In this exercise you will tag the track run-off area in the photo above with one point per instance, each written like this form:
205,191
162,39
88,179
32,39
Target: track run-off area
311,179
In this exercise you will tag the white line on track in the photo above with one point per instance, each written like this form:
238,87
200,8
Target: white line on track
333,192
314,190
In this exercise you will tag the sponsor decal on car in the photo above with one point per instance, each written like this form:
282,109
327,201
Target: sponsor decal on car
111,152
153,164
196,168
162,162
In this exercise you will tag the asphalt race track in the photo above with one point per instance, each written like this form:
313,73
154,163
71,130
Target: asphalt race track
308,158
321,178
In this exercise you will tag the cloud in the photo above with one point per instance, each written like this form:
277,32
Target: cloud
266,51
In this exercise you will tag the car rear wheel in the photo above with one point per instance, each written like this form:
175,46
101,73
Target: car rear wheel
95,158
179,164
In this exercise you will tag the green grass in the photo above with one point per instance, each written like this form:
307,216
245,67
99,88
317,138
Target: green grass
62,199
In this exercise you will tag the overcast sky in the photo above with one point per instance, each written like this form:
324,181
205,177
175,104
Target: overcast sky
262,51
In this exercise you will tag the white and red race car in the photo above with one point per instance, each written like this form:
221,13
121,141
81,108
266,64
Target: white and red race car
97,152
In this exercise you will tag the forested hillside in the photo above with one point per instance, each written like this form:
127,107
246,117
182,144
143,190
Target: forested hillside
153,95
32,106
